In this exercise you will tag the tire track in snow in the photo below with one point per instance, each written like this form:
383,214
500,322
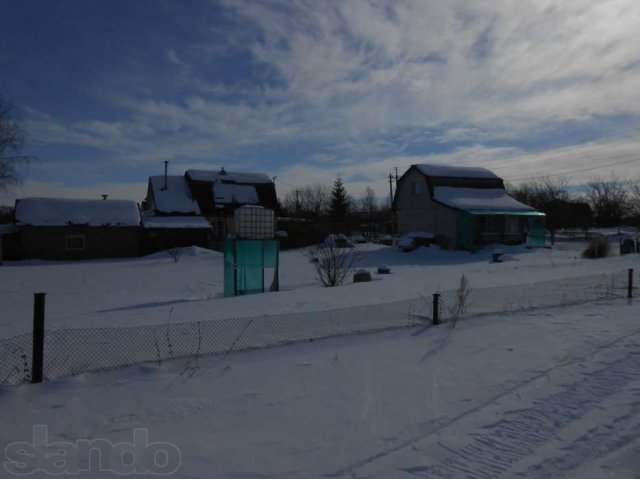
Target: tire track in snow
494,448
597,442
510,451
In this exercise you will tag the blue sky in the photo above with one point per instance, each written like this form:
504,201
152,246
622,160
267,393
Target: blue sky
309,90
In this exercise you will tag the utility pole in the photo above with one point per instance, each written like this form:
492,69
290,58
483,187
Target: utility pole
396,177
297,202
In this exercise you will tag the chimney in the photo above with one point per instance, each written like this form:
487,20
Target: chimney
166,164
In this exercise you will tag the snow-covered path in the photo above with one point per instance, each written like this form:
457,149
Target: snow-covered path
592,411
549,393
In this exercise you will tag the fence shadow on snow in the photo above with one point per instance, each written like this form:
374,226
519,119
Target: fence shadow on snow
71,351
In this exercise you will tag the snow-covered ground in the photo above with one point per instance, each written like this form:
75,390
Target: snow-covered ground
545,393
548,393
149,290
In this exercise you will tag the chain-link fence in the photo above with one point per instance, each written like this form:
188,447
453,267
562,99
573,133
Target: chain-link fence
468,301
75,350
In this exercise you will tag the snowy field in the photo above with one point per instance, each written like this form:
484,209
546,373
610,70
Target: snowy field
546,393
154,290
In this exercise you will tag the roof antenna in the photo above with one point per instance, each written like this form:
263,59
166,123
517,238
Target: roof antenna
104,196
166,164
222,171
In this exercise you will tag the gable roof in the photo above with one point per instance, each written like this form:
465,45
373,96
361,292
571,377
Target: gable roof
176,198
220,189
466,188
434,170
58,212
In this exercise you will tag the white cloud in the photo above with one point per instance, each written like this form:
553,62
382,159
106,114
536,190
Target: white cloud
578,164
354,77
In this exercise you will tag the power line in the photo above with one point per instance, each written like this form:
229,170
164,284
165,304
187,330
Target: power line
562,154
579,170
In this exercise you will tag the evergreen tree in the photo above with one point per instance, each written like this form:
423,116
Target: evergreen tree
340,202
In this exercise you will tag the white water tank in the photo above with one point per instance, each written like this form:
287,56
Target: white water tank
252,221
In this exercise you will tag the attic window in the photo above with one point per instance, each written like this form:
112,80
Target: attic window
416,188
75,242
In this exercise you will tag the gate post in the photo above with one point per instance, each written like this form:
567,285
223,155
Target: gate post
436,301
37,359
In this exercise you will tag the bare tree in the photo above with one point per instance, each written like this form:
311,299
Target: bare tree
368,201
315,199
541,191
551,196
608,198
308,201
12,139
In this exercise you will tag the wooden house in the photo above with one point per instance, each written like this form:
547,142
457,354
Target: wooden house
463,207
63,229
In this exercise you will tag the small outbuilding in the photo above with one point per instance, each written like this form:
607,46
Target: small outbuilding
65,229
220,193
463,207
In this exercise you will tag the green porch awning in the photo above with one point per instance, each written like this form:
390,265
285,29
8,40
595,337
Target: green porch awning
467,224
515,213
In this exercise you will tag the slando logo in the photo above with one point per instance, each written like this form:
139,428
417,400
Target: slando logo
95,455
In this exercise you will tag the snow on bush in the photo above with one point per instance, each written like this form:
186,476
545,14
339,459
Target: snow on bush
338,240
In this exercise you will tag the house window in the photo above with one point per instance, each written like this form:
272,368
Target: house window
75,242
416,188
491,224
512,225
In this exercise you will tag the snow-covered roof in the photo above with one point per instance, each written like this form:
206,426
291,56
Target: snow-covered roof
57,212
478,199
176,198
231,177
433,170
175,222
231,192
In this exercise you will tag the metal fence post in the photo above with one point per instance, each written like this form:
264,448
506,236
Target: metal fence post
436,301
630,284
37,360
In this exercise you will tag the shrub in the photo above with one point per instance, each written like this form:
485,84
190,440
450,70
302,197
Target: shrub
175,253
461,300
332,263
598,248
